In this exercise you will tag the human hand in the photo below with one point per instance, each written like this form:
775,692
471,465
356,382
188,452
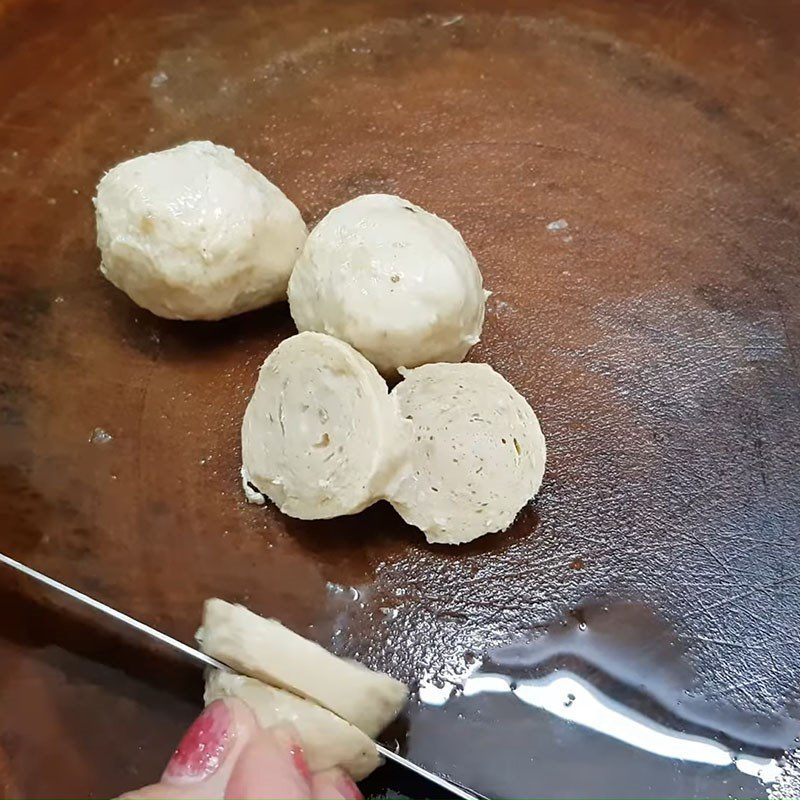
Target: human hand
226,755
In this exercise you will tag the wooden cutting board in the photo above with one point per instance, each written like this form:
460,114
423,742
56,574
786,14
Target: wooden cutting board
656,334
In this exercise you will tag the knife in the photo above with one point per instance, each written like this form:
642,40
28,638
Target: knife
201,658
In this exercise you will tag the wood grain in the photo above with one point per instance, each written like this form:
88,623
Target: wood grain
657,336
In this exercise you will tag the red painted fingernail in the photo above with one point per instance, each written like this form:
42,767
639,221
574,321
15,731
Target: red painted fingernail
203,747
300,762
289,738
348,788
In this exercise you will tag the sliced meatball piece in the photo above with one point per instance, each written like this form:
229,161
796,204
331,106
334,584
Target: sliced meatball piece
264,649
321,437
477,454
328,741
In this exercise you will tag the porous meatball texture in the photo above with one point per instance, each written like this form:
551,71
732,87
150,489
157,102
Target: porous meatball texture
321,436
477,454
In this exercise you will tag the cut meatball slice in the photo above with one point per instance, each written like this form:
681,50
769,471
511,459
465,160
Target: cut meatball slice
266,650
328,741
477,455
321,437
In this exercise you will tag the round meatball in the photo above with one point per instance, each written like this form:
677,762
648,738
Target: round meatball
196,233
395,282
477,453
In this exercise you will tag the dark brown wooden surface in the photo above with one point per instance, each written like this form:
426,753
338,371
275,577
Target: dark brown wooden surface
657,337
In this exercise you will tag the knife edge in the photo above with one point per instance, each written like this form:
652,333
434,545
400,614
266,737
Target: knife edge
208,661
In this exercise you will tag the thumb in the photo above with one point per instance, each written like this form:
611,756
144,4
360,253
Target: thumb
204,760
226,755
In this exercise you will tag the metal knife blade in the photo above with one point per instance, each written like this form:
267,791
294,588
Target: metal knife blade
207,661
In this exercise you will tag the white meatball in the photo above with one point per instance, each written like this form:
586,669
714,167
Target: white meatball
477,454
321,436
397,283
196,233
270,652
328,741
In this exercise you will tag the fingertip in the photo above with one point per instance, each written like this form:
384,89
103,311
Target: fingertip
272,765
288,737
334,784
207,753
244,718
160,791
